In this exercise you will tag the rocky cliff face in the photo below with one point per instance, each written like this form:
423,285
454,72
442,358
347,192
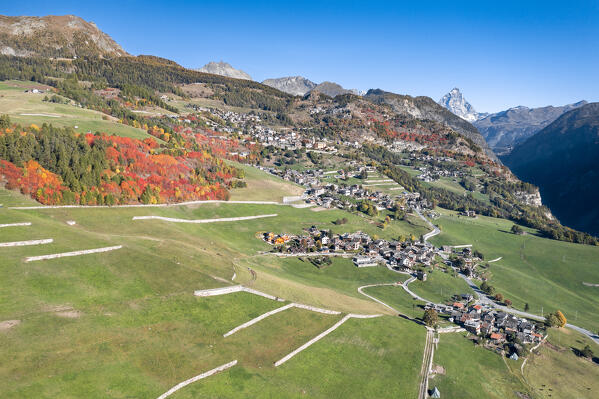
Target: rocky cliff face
427,108
294,85
224,69
506,129
455,102
65,36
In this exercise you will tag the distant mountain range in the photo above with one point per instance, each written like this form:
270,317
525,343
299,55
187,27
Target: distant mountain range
503,130
506,129
294,85
300,86
562,159
224,69
65,36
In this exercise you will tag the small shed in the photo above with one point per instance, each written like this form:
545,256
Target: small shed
435,393
514,356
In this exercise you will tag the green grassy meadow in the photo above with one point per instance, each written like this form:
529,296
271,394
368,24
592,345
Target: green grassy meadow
399,299
362,358
126,324
28,108
440,287
554,371
263,186
473,372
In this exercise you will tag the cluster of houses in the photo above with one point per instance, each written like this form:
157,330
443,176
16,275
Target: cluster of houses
288,140
331,195
367,251
306,178
431,173
489,323
229,116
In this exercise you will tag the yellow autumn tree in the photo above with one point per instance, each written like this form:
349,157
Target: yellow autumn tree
561,318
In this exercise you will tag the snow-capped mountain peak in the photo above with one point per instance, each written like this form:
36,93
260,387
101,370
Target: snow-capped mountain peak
457,104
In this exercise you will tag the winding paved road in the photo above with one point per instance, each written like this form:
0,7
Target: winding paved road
413,294
378,300
432,233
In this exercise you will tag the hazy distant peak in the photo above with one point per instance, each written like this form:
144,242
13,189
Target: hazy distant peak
224,69
294,85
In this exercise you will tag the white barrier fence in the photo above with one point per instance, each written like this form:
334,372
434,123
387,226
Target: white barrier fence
257,319
232,289
15,224
322,335
312,341
25,243
282,308
74,253
197,378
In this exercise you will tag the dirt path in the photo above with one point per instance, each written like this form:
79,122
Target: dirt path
427,359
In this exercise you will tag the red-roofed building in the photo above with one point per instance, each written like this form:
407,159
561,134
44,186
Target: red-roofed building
497,337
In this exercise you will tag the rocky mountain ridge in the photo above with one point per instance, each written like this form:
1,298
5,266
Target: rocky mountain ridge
300,86
224,69
506,129
65,36
294,85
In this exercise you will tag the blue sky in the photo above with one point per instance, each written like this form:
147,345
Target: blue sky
499,53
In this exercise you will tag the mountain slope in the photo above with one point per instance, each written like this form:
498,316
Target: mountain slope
224,69
55,36
562,160
331,89
455,102
294,85
505,129
426,108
